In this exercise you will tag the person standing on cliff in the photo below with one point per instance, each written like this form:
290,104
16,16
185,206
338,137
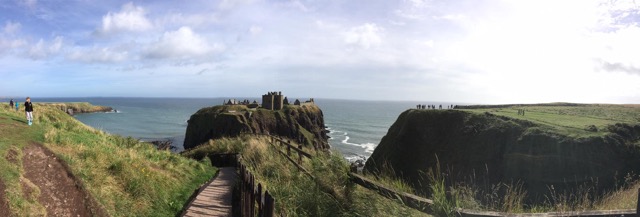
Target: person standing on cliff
11,104
17,106
28,109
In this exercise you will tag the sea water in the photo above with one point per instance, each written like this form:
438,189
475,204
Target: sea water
356,127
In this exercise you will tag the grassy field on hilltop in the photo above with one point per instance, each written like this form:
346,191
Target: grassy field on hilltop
295,193
573,120
125,176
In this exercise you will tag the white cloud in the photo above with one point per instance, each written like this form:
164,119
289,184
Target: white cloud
616,51
182,44
364,36
7,45
232,4
11,28
295,4
419,3
254,30
44,49
130,18
29,3
8,39
451,17
180,19
99,55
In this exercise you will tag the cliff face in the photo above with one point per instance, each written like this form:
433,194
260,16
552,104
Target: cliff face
303,124
489,149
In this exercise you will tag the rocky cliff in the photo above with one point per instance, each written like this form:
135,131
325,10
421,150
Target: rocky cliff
487,148
303,124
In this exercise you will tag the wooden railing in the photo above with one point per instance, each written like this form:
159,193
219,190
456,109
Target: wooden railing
253,201
248,199
407,199
281,142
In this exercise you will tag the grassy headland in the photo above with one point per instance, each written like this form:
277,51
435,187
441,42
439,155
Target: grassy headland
79,107
304,124
125,176
555,157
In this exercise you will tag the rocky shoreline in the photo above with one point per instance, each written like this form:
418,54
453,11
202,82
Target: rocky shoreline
81,107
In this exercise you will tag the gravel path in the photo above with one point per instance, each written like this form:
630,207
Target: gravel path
215,199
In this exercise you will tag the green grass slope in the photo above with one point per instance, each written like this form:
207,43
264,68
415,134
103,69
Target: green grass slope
126,177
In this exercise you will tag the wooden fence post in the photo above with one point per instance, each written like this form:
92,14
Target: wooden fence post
252,198
260,201
300,154
638,205
245,192
269,204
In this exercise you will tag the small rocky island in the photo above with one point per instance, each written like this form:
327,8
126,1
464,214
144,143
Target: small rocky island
302,122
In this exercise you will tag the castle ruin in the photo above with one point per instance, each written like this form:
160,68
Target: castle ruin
273,101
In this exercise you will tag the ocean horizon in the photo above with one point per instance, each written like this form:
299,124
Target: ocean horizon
356,126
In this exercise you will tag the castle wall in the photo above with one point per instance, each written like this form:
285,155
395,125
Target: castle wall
278,102
267,101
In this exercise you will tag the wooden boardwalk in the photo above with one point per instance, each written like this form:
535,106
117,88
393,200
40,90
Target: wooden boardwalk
215,198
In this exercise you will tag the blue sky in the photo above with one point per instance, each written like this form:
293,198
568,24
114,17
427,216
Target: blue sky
479,51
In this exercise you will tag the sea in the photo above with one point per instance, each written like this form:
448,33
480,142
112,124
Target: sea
356,126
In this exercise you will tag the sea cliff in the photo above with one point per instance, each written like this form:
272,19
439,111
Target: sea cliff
487,148
301,123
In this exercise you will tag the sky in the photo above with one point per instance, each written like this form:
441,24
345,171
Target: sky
475,51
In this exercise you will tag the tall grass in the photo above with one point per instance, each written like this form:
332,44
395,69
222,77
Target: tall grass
449,195
296,194
125,176
443,204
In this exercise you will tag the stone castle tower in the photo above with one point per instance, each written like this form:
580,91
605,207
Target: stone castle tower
273,101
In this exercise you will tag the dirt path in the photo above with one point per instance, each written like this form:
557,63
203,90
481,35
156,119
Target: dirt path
61,193
4,206
215,199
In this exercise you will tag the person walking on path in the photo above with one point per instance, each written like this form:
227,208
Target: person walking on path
11,104
28,109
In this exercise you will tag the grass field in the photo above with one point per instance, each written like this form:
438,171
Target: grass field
571,120
125,176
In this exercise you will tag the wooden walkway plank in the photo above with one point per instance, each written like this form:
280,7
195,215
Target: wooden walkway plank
215,199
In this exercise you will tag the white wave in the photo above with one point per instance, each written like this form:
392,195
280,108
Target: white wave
346,141
114,111
354,158
368,147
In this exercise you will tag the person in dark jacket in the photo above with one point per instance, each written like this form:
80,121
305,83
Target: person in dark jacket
28,109
11,104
